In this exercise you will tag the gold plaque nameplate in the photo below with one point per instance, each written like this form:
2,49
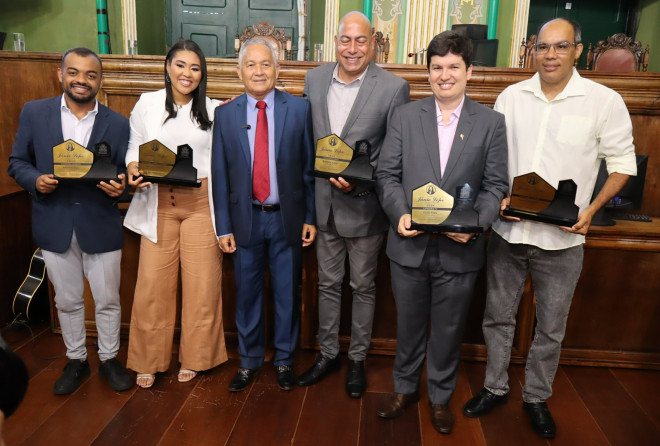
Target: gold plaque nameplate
431,205
71,160
156,160
332,155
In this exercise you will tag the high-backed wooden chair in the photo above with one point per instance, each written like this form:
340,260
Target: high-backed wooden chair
618,53
382,48
266,31
526,57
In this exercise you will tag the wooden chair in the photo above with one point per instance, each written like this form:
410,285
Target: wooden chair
619,53
526,57
266,31
382,48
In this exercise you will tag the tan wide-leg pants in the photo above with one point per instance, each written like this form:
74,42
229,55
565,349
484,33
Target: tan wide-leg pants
185,236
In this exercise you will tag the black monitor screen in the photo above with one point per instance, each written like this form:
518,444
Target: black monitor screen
484,53
472,31
630,196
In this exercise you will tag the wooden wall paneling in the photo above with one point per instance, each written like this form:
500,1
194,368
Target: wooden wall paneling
616,303
646,134
15,246
23,79
309,303
616,253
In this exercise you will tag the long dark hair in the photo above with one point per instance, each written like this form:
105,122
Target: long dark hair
198,111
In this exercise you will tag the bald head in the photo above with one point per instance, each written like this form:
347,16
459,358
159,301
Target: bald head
354,45
354,17
577,31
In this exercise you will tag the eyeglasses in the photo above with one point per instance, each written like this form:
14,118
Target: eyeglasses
560,47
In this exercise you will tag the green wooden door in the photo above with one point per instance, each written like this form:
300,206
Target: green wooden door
213,24
598,19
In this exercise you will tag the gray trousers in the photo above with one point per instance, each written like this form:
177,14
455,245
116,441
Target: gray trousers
429,295
331,250
554,277
65,271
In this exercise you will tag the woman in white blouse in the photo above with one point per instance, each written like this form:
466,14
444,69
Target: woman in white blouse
176,224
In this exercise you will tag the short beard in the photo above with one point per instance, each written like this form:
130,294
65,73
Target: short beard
79,100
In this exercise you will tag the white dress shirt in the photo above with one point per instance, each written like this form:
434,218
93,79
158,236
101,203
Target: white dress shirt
147,123
562,139
76,129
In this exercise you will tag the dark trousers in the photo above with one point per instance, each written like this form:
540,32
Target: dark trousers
430,295
268,247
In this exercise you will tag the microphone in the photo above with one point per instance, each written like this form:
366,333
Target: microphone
418,55
246,126
419,51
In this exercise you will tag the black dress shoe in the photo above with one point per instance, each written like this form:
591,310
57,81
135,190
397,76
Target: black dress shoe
356,381
116,375
74,373
396,403
322,367
286,379
483,402
442,418
541,418
241,379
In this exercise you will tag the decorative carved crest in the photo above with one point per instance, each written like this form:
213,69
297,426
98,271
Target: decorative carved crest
621,61
268,32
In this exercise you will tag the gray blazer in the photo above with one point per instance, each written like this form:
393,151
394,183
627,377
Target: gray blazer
410,158
356,214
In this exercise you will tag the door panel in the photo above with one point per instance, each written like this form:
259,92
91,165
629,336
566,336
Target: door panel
214,24
220,3
210,38
272,5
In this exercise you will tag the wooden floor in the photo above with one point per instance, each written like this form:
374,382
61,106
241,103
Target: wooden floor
592,406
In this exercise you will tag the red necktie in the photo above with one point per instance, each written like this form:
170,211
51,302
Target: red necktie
260,176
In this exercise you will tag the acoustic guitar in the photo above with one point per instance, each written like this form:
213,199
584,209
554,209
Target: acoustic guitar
30,285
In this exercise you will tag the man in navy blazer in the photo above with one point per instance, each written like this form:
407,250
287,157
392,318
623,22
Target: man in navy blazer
77,225
448,140
269,229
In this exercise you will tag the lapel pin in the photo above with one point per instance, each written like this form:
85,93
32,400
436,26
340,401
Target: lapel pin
461,137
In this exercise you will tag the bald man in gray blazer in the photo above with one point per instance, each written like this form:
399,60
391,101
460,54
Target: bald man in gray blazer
353,98
449,140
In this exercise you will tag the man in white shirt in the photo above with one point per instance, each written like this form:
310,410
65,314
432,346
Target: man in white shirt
77,225
560,126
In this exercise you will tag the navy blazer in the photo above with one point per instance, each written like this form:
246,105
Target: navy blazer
232,169
75,206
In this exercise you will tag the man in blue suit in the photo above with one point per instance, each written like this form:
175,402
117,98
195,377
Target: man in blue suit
263,197
77,225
